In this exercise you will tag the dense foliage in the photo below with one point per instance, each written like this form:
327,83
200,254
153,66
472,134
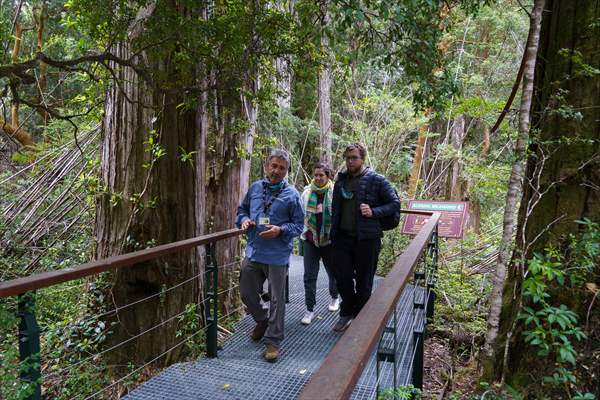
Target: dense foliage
398,69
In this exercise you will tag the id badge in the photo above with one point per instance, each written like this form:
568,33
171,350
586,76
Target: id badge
264,221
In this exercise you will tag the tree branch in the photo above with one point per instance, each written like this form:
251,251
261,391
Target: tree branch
20,70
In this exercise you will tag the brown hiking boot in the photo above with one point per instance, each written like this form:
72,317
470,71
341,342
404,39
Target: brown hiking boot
259,330
271,353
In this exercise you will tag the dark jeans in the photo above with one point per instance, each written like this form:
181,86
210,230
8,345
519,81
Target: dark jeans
354,265
312,255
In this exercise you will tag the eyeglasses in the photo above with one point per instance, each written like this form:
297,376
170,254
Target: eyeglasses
352,158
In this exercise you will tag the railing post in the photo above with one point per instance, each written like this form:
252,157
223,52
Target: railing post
417,369
420,310
29,345
388,354
211,310
431,279
395,346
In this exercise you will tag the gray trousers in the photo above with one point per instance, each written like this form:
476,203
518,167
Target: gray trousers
252,278
312,256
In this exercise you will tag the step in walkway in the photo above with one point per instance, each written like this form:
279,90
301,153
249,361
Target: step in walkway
240,372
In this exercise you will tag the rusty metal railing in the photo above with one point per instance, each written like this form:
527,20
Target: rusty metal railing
24,288
343,366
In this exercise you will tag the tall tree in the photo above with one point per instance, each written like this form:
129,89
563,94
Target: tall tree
324,89
163,113
150,200
454,183
561,179
283,65
415,172
515,183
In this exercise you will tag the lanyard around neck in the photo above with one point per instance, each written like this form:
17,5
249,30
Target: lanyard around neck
268,201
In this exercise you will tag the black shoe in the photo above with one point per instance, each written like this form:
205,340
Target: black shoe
342,324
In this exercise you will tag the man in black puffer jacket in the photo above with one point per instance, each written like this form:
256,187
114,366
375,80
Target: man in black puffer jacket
360,198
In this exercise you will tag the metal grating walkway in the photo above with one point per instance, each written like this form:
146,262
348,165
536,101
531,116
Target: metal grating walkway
241,373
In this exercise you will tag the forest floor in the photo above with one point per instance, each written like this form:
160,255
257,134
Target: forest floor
446,372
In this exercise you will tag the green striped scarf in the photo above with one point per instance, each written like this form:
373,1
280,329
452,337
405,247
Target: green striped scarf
310,217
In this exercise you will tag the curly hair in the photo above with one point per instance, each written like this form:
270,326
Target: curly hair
356,146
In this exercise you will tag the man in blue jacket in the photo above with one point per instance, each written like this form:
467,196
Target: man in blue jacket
272,215
360,198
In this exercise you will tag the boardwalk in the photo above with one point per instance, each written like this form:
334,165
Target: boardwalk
240,372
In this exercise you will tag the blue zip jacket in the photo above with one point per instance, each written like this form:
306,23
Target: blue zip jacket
285,212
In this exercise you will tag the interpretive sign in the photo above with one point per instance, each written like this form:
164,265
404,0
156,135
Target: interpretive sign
453,217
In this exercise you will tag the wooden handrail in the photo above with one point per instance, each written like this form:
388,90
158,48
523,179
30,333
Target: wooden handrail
38,281
342,367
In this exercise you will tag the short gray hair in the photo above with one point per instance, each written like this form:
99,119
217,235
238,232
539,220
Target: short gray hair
279,153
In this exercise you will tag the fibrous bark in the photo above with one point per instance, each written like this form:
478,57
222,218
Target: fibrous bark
149,200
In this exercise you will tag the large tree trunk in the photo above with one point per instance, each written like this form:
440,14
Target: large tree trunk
563,183
229,174
492,351
150,200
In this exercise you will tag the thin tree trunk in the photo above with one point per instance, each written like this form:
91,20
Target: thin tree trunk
14,109
40,20
454,184
283,78
20,135
250,109
485,149
415,173
513,196
14,129
283,81
324,94
200,165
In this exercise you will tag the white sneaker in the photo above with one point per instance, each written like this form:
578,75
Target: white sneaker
308,317
334,304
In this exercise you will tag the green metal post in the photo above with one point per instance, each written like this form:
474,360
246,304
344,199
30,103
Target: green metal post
417,369
395,346
29,345
431,279
212,308
386,354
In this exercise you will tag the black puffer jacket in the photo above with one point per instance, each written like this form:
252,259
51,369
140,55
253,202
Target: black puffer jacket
374,190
